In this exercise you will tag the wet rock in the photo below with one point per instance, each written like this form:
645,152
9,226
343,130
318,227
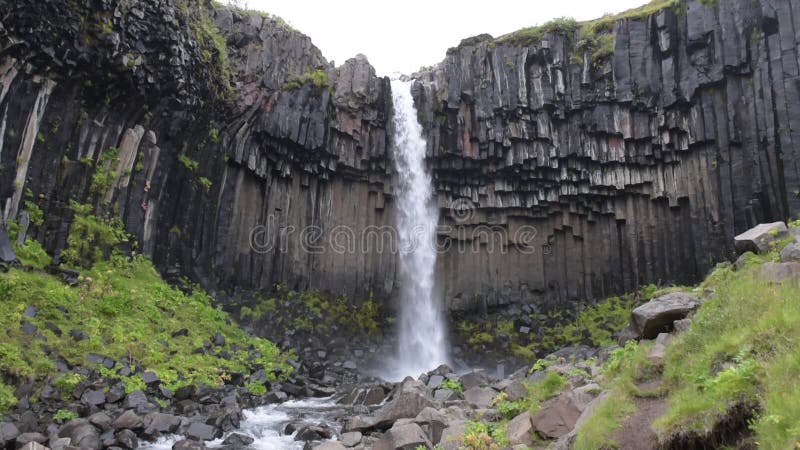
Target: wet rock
238,440
410,399
202,432
350,439
127,439
313,433
188,444
157,423
759,238
658,314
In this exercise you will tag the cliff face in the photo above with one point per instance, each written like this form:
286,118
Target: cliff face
573,180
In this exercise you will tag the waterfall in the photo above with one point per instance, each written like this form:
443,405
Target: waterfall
421,336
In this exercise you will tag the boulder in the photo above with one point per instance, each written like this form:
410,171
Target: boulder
453,435
476,378
6,249
682,325
565,442
238,440
313,433
659,349
330,445
128,420
432,423
658,315
515,390
480,397
791,253
557,416
8,433
773,272
202,432
759,238
350,439
93,397
187,444
127,439
101,420
519,430
82,434
24,438
403,437
33,446
410,399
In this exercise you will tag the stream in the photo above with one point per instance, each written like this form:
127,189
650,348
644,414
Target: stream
266,423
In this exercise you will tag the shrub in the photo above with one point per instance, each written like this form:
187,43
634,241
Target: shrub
452,385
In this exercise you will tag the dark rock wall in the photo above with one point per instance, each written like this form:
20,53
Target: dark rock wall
632,170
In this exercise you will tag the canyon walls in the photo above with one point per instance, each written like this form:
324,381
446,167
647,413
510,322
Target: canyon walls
238,156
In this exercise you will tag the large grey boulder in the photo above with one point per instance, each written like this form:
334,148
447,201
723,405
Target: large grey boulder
519,430
432,423
480,397
410,399
8,433
658,315
453,435
759,238
791,253
403,437
558,416
82,434
350,439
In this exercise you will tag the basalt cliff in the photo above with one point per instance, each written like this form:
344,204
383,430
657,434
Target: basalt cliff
238,156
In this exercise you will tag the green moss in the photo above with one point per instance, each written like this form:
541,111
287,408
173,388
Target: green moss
318,78
35,213
452,385
205,183
534,35
212,45
256,388
91,238
105,172
128,312
188,162
7,397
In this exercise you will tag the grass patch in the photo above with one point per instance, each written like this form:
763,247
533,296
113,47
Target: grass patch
604,423
318,78
742,348
452,385
129,314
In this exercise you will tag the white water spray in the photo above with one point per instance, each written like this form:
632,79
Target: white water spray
422,343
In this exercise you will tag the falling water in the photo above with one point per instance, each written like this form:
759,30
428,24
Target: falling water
421,340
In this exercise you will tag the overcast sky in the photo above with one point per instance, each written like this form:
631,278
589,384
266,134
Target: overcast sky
402,36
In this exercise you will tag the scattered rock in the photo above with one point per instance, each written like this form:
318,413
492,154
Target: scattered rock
24,438
313,433
432,423
330,445
682,325
659,349
350,439
403,437
759,238
658,315
78,335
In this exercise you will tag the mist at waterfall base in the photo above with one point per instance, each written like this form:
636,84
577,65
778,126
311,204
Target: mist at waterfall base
422,337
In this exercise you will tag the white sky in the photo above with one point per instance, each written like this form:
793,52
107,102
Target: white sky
402,36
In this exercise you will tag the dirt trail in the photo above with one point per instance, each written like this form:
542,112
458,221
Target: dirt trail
636,432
